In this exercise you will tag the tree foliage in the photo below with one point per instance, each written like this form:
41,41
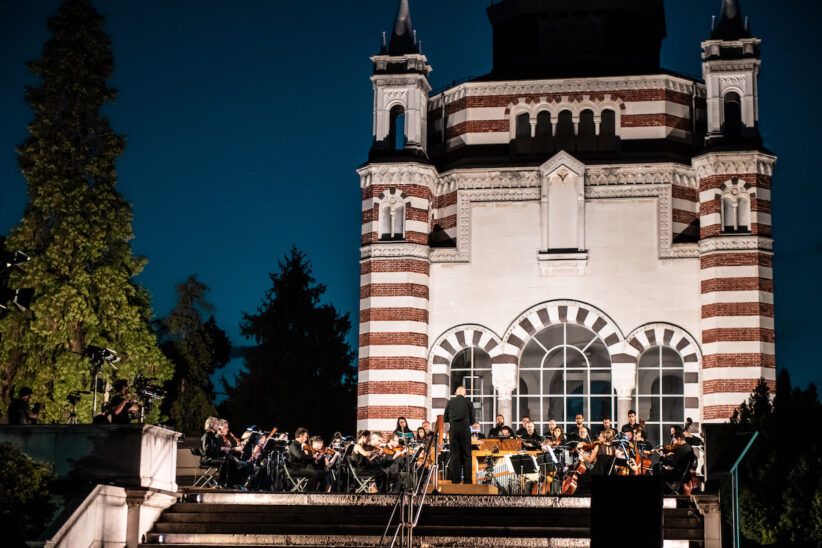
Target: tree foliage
197,349
301,371
76,228
781,477
25,502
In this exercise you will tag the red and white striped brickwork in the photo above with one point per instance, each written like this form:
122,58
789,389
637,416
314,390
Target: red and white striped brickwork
394,284
736,282
483,113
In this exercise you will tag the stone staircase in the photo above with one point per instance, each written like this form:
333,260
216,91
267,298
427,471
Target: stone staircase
250,519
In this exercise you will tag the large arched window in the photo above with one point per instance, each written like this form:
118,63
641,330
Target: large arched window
396,129
660,392
471,368
564,370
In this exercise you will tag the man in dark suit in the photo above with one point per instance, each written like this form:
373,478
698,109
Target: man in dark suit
459,414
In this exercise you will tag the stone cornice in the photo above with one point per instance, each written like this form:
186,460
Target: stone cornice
466,179
394,250
677,174
398,174
734,163
736,243
570,86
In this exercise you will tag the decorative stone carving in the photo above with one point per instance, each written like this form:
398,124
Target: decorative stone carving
734,163
378,250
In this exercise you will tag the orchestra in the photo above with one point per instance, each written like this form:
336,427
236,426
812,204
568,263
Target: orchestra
563,462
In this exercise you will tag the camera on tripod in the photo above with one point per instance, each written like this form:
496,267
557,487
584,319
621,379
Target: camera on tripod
146,389
74,397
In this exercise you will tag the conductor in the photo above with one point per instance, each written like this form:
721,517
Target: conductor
459,414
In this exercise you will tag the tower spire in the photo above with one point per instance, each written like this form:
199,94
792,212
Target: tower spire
403,40
731,25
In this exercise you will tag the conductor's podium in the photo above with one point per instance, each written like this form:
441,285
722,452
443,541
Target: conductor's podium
510,463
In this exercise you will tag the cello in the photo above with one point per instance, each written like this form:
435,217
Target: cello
571,482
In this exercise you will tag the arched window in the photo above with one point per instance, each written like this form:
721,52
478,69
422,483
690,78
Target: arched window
587,138
660,392
543,141
471,368
523,139
733,115
735,209
396,130
565,131
565,369
607,130
392,220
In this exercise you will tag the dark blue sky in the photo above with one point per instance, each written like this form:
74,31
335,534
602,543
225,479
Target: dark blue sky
245,122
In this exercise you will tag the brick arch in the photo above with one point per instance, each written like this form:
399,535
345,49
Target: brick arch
650,335
445,349
546,314
392,192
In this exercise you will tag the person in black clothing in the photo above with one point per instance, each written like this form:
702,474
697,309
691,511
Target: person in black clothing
405,434
631,422
476,432
673,466
234,471
524,428
499,426
531,441
120,405
210,453
579,432
20,411
300,462
459,414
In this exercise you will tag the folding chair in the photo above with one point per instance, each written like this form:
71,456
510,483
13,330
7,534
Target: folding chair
363,482
298,485
208,477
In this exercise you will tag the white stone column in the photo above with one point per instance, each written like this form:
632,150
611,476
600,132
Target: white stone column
623,378
708,505
504,379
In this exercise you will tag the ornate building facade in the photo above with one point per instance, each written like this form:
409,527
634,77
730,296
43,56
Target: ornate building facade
577,231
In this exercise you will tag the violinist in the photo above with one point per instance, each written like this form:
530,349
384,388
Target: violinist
210,453
300,459
393,461
363,457
601,455
324,461
675,460
405,434
234,471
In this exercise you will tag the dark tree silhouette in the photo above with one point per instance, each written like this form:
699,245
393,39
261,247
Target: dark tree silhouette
301,371
197,349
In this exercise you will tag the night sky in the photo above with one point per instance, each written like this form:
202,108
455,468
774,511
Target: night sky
245,122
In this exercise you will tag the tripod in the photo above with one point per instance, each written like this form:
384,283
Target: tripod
72,419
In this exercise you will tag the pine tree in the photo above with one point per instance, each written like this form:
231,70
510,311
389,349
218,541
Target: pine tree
76,228
197,350
301,371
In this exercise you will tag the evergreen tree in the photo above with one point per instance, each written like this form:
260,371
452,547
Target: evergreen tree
197,350
301,371
76,228
781,477
26,505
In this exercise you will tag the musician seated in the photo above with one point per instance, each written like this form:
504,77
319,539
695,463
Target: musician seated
300,460
20,411
674,465
402,430
531,441
505,433
579,436
393,461
524,428
121,404
429,435
420,434
476,432
363,458
500,424
210,452
234,471
324,461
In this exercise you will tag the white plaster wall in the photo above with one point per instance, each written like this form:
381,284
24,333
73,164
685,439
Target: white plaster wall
624,276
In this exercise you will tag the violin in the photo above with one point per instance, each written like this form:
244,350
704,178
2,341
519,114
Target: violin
589,446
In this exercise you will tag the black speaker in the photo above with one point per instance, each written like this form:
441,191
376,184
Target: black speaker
626,511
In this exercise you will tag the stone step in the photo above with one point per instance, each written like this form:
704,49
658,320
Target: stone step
310,540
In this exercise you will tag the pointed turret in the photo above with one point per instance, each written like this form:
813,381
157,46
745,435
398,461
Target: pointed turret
403,40
731,25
